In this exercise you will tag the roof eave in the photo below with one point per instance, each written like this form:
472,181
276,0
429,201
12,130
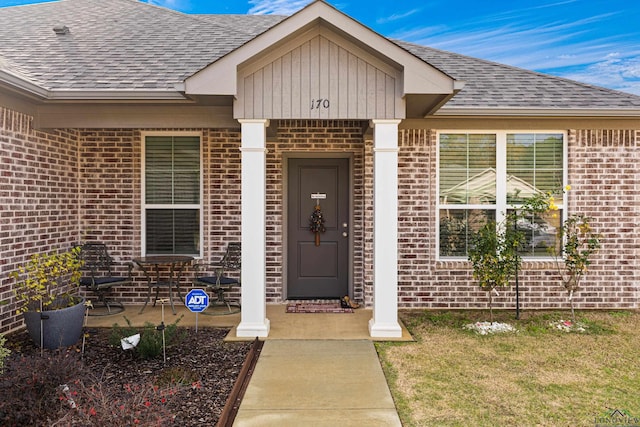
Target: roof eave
153,95
21,86
538,112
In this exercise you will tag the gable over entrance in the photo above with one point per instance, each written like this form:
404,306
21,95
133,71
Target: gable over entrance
321,64
322,77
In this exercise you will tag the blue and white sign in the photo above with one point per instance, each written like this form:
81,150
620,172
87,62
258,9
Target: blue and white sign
197,300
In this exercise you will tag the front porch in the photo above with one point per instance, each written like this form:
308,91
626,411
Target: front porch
284,326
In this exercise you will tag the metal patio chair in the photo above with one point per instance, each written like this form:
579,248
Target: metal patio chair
99,278
215,276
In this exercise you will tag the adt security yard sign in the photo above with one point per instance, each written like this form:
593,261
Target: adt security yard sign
197,300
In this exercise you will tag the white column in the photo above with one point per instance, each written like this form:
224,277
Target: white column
253,318
384,323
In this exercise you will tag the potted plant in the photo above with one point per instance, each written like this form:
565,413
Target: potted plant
46,294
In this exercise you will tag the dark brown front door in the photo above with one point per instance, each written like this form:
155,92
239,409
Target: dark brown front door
318,271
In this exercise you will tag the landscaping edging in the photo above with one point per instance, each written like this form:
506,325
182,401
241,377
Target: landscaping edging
232,405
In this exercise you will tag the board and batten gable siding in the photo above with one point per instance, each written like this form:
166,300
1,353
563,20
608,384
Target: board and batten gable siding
321,78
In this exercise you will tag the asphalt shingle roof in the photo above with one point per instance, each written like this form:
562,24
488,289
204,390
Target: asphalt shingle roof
493,85
130,45
117,44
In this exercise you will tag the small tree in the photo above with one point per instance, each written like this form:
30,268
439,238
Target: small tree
579,243
494,249
494,257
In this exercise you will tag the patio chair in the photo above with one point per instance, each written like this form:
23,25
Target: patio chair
216,276
99,278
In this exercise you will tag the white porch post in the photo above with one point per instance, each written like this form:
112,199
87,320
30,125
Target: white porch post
384,323
253,318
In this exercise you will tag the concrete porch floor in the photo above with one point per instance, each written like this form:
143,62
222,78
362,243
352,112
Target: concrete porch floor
284,326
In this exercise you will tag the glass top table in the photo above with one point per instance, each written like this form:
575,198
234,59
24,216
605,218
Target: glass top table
163,271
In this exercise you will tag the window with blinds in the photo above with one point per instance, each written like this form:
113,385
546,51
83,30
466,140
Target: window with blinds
467,183
535,164
172,195
483,175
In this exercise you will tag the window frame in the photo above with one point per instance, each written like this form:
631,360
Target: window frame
146,206
501,206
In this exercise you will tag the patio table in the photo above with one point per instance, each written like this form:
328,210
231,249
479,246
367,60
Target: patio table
150,265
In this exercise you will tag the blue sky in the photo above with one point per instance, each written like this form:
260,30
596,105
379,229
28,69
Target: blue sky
592,41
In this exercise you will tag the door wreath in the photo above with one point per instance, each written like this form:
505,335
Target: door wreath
316,223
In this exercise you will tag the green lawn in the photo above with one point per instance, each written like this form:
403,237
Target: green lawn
539,376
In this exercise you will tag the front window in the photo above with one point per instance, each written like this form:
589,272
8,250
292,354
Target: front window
534,164
171,195
482,176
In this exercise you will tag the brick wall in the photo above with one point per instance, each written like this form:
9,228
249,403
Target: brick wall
109,191
605,182
604,178
39,198
64,186
416,223
110,183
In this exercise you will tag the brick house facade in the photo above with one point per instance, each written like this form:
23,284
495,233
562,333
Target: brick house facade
82,181
66,186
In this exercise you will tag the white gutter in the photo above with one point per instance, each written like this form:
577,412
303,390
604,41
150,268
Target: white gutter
20,84
115,95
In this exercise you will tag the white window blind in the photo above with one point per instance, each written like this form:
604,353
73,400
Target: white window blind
172,195
467,183
483,175
535,164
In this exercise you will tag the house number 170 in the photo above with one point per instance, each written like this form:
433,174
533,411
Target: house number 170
317,104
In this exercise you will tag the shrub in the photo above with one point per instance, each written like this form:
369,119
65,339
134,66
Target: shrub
35,389
29,386
179,375
97,405
151,343
45,278
4,352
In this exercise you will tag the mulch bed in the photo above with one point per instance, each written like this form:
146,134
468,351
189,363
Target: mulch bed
313,307
200,372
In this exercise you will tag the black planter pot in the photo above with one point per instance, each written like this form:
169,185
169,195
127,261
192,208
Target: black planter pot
62,327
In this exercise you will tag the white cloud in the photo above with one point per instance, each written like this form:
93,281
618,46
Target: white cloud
397,16
277,7
565,47
614,71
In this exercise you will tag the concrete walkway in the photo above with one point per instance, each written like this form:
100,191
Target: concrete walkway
317,383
